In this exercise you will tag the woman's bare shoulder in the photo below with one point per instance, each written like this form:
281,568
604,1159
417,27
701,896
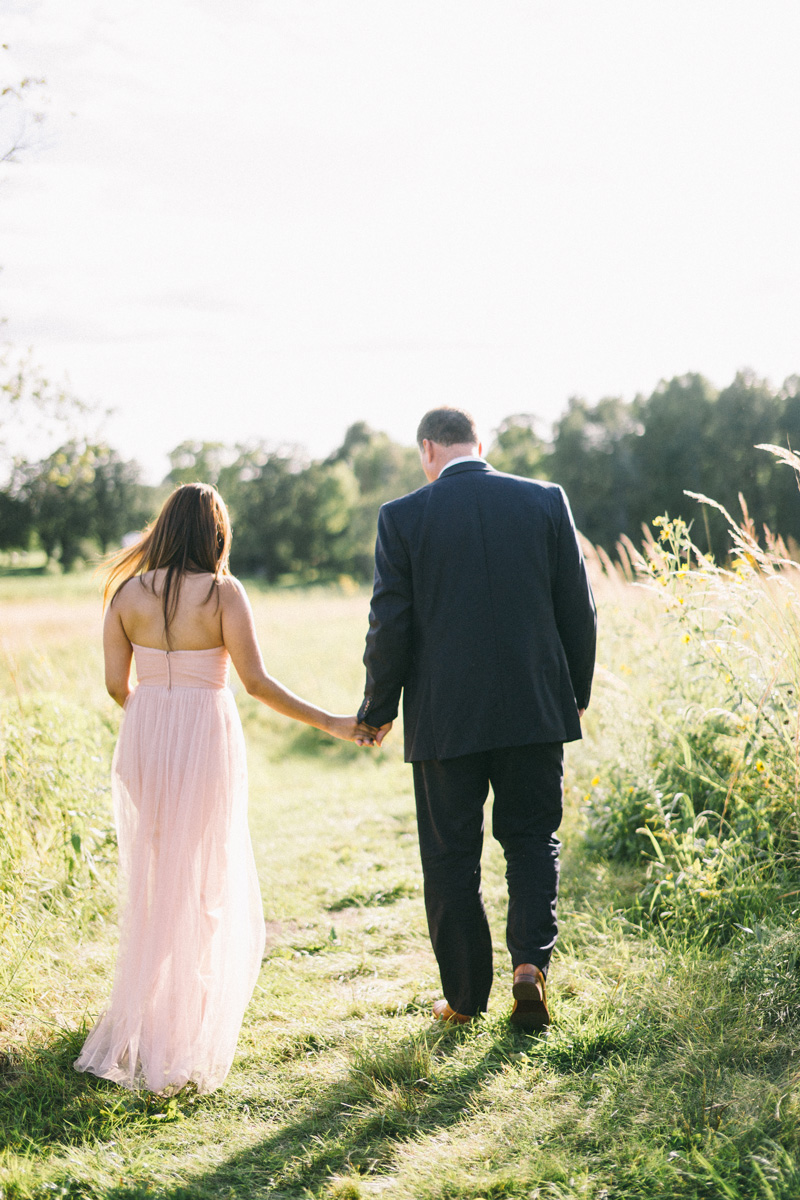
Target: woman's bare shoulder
131,590
231,590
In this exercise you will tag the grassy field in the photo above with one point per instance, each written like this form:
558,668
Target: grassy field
671,1068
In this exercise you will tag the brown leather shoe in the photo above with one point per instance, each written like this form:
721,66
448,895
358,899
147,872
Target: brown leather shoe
530,999
443,1012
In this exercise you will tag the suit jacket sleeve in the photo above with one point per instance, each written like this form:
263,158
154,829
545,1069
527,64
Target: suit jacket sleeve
388,652
576,617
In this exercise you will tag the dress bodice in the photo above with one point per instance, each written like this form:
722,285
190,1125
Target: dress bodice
181,668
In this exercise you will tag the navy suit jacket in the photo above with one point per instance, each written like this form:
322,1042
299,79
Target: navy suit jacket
482,615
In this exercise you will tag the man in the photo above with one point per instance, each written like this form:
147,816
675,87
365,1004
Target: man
482,615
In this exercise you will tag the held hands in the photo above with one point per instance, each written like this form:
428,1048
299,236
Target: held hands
350,729
367,736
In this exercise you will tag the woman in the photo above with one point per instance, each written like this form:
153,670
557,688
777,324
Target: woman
192,929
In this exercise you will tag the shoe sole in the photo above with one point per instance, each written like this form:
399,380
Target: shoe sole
530,1010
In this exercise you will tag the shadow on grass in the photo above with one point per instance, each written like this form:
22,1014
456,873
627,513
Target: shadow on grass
379,898
44,1101
415,1088
23,572
389,1094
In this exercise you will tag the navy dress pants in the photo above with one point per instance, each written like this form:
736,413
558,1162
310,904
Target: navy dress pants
527,782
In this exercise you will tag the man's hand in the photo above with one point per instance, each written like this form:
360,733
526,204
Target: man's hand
367,735
581,711
364,734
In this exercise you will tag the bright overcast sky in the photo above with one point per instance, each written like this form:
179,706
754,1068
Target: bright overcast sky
271,218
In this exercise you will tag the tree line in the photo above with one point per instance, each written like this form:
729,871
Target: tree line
621,463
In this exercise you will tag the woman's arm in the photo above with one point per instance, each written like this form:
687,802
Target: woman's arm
239,636
118,652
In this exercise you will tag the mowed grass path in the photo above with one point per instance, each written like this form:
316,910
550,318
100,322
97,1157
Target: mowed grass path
342,1086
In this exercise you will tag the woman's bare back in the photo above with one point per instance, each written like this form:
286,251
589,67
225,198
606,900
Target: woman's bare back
197,623
209,614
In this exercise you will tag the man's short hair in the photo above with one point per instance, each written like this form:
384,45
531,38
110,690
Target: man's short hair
448,427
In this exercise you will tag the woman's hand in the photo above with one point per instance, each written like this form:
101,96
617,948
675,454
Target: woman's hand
350,729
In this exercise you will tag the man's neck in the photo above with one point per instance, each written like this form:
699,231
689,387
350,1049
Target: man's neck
434,457
461,458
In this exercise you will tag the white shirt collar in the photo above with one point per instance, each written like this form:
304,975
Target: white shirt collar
465,458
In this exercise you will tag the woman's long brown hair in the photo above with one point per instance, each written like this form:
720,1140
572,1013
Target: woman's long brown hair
192,533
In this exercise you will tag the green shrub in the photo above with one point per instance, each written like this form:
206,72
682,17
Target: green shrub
57,844
709,801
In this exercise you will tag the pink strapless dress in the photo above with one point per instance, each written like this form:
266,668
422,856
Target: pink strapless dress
191,921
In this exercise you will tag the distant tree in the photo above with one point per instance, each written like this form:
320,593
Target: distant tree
382,467
358,435
58,491
79,493
701,440
746,413
623,464
593,459
323,500
119,500
308,519
383,470
290,516
672,453
518,448
199,462
257,488
15,522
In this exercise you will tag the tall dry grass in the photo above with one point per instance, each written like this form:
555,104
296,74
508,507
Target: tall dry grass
704,779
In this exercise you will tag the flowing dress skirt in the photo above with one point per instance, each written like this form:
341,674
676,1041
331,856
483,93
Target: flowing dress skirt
191,927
